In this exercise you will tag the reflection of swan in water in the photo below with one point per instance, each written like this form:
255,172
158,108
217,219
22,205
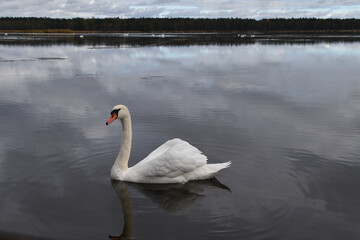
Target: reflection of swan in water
121,190
176,161
170,197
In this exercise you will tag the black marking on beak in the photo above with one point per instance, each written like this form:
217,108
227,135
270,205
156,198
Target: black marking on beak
115,111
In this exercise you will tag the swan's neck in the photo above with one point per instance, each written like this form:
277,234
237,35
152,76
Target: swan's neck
122,159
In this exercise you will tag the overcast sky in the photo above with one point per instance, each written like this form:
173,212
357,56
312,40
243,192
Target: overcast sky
181,8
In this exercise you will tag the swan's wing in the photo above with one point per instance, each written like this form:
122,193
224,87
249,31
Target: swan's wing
162,149
179,158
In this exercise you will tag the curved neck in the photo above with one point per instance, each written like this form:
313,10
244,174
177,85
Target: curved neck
125,149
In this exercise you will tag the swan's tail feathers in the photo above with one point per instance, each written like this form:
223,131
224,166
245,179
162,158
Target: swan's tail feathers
207,171
216,167
227,164
221,166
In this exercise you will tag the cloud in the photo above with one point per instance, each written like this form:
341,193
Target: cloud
182,8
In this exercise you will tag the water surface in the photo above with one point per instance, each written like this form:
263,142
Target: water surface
286,114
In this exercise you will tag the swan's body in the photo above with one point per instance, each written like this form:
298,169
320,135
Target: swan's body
176,161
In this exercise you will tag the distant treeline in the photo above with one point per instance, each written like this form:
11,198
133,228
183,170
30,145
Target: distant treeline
179,24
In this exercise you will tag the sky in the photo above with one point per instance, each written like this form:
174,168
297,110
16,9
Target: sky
256,9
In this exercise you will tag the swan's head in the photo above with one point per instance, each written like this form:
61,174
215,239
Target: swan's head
118,112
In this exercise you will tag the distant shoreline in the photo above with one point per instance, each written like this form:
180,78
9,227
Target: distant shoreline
180,25
69,31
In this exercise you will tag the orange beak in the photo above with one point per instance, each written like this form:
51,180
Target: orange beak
111,119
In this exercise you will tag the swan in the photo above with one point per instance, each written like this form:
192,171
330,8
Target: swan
175,161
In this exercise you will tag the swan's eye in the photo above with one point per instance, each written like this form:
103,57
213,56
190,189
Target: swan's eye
115,111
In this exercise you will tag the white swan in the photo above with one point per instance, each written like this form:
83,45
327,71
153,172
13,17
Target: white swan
176,161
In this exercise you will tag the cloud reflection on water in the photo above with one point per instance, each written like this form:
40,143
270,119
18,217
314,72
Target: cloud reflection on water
252,104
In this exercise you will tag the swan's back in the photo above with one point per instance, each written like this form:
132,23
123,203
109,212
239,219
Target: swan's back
168,163
163,148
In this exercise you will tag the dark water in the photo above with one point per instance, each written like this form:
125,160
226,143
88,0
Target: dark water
286,113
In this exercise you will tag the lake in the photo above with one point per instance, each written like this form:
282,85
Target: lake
285,111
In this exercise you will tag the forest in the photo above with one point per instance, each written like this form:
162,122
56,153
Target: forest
179,24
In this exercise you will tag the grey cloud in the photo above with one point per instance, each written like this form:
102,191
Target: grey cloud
182,8
164,1
146,12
